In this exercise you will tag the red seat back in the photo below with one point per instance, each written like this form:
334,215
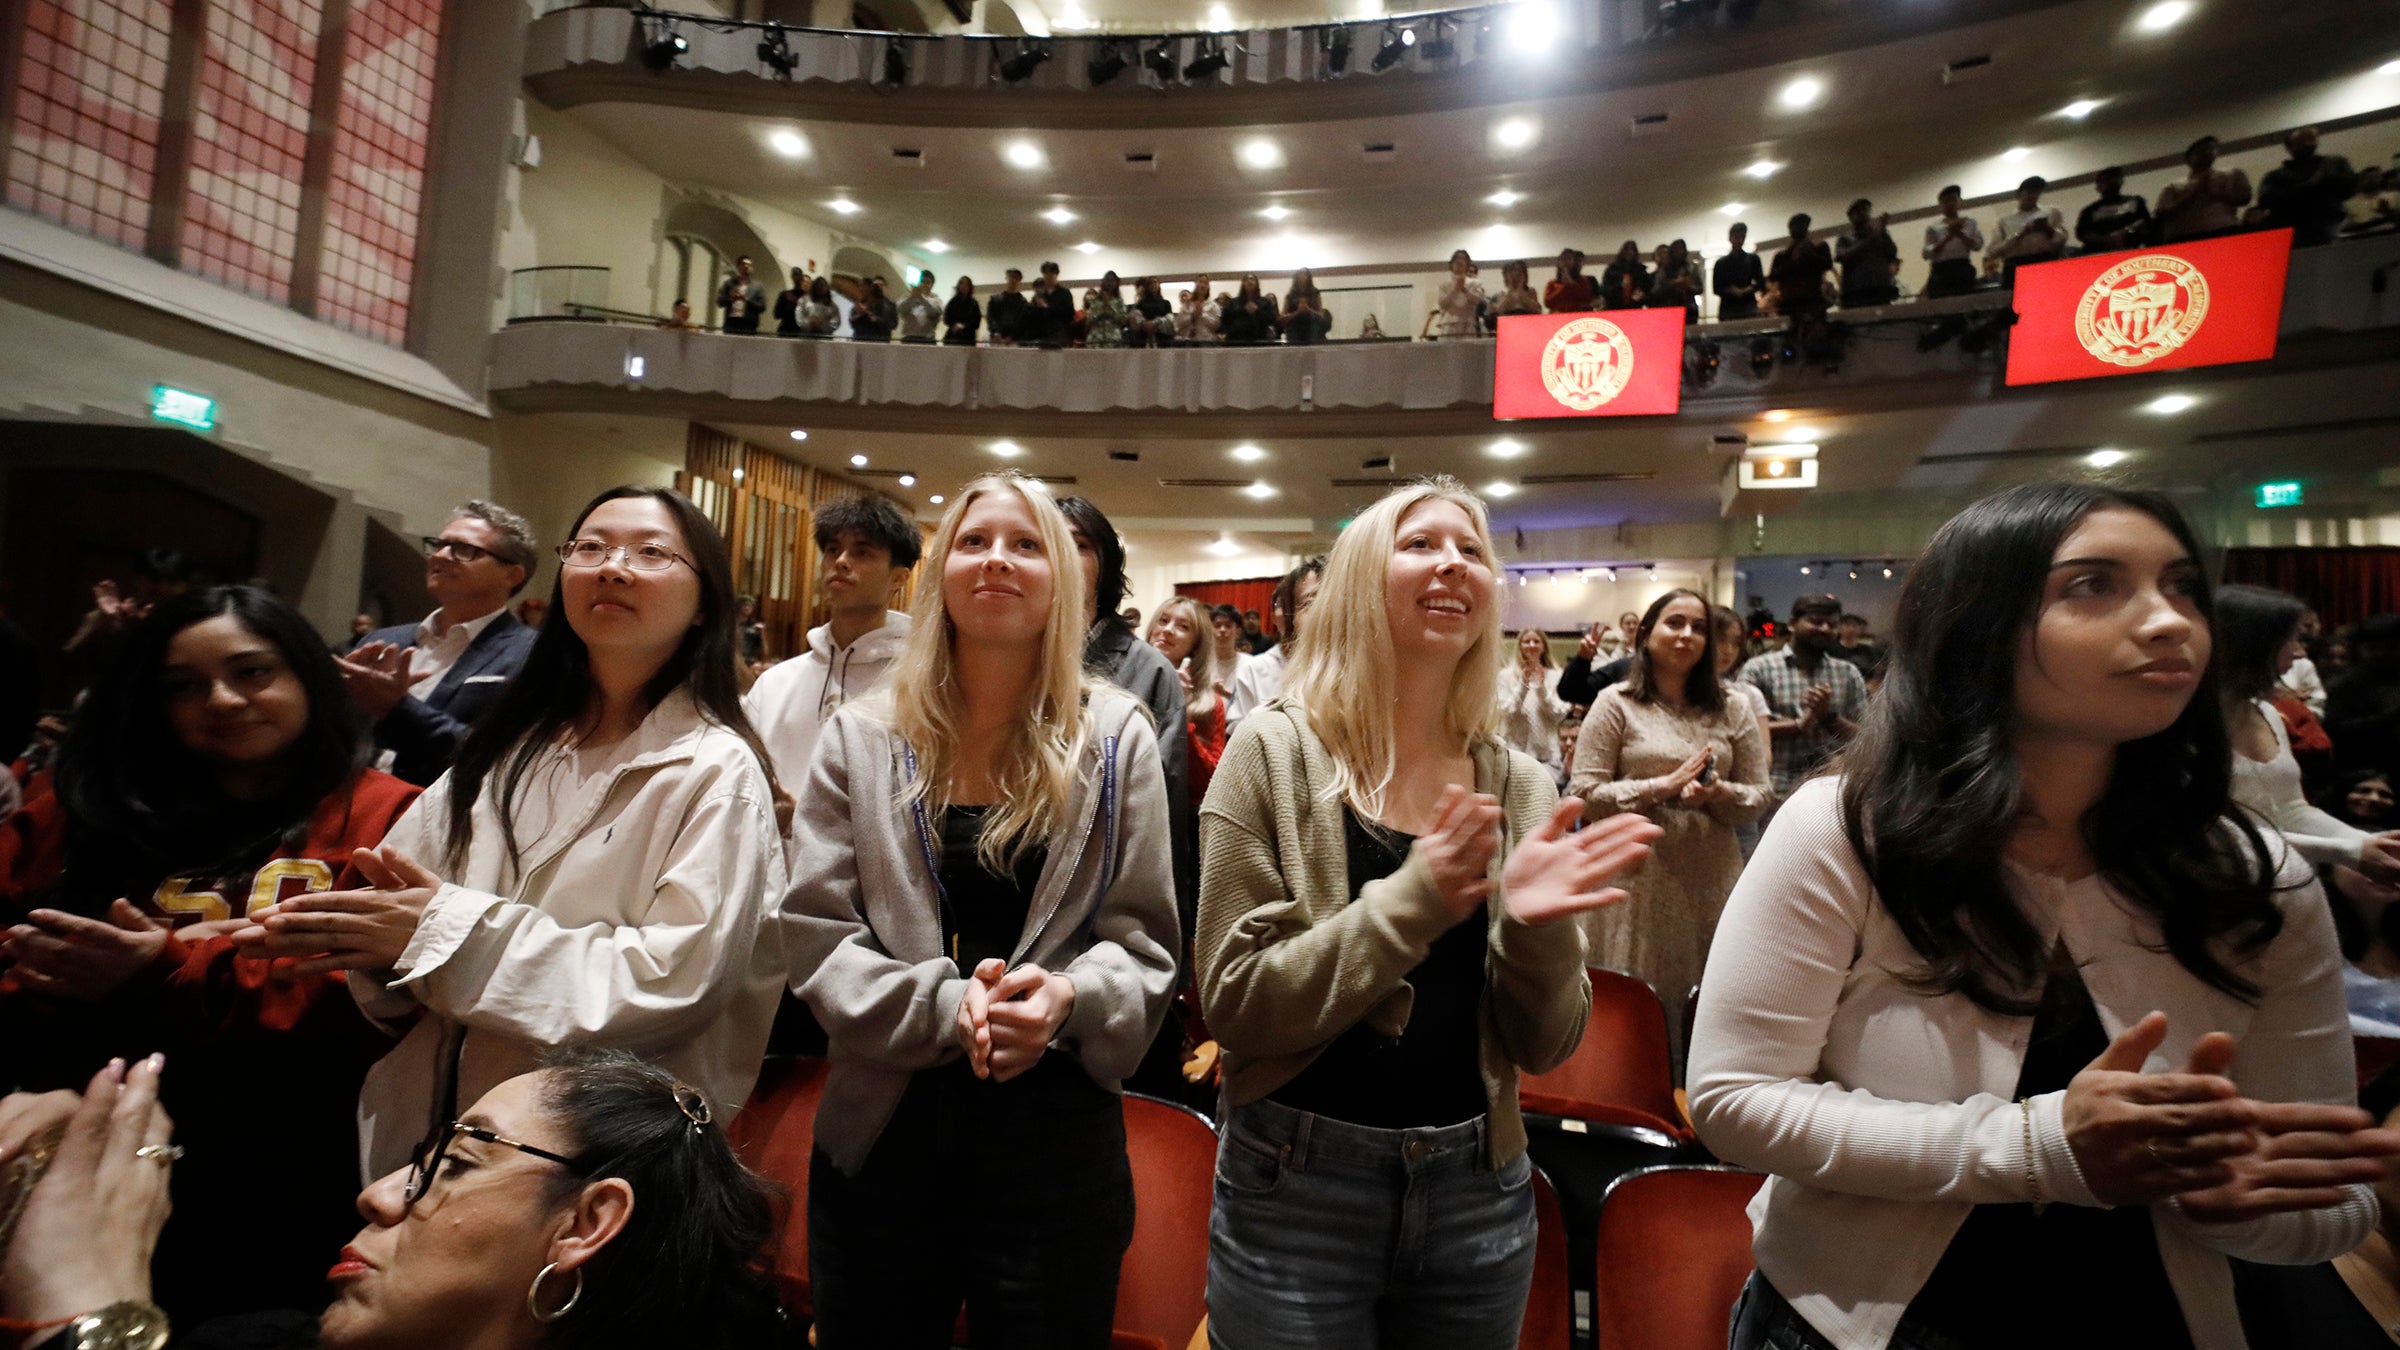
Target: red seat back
1673,1253
1620,1072
775,1134
1162,1289
1549,1311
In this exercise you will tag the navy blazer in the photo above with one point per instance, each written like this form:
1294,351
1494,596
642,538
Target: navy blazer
424,734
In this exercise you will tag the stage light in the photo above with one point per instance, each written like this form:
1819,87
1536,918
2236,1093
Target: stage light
1020,67
1160,60
895,63
1396,42
1108,65
669,48
777,54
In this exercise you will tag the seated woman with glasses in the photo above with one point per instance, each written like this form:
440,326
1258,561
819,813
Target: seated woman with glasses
591,1203
595,868
216,768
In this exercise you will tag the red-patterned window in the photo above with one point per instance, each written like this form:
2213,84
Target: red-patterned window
91,89
258,62
377,187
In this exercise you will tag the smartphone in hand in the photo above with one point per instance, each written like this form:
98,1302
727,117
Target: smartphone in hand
1708,769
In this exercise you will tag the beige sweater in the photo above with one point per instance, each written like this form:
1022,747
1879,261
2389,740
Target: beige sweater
1288,962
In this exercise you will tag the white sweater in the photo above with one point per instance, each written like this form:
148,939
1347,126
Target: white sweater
2273,791
1884,1116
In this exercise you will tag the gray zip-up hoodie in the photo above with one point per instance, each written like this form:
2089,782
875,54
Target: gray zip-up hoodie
862,923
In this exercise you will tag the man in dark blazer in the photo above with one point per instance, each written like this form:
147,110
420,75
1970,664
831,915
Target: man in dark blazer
424,684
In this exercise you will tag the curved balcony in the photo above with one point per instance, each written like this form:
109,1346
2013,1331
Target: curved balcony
1453,59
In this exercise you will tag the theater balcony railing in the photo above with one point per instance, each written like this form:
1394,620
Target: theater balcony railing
1427,61
2341,306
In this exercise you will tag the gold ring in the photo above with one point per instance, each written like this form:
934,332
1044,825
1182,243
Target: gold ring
162,1154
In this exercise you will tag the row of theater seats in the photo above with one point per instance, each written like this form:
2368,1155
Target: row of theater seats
1643,1237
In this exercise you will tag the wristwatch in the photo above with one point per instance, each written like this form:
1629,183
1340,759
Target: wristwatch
131,1325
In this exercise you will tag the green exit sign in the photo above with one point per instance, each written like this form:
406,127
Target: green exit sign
183,407
2278,494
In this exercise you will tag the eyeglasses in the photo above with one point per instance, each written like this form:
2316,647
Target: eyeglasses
465,553
425,1162
639,557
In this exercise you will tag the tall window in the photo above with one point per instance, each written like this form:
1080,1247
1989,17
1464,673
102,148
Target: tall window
89,95
241,218
377,186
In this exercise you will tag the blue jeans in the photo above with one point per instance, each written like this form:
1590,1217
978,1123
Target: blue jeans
1763,1320
1330,1236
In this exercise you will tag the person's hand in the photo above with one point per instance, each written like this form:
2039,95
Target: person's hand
26,1116
1552,873
346,930
1814,700
2306,1155
2380,860
69,956
1183,675
2141,1137
1590,646
1460,846
1687,774
1699,796
87,1232
376,676
1028,1005
973,1027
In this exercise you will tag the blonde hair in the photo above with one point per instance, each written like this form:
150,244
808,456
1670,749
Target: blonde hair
1203,668
1342,661
1035,765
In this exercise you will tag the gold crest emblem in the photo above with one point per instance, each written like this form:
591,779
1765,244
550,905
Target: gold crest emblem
1587,363
2141,309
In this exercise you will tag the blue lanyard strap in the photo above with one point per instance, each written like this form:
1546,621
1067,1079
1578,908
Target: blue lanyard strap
933,857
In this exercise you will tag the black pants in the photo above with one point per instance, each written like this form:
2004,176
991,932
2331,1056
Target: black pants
1013,1199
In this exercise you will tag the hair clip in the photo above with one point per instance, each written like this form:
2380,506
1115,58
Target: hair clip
694,1106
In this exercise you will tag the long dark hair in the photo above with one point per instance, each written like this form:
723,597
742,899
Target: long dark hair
1932,791
555,686
1084,516
2252,624
1701,688
141,807
683,1270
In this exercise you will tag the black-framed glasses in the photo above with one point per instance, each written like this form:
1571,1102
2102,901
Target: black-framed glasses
639,557
425,1162
465,553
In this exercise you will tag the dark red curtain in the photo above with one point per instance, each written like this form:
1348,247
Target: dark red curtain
2344,585
1257,593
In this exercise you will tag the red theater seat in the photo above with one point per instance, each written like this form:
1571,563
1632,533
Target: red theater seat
775,1134
1672,1255
1162,1289
1619,1073
1549,1312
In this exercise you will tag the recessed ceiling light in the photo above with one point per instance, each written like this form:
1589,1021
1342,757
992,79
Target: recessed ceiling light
2167,405
1248,454
1504,449
1776,415
1797,436
2164,15
799,435
1276,212
936,246
936,499
788,143
1261,153
2014,153
1058,215
1514,134
1501,488
1007,449
1024,154
2105,459
1531,28
1802,93
1763,169
2080,108
844,205
858,461
1087,246
908,480
1260,490
1505,198
1732,209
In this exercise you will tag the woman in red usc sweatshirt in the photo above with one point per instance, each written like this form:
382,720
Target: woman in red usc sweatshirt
215,769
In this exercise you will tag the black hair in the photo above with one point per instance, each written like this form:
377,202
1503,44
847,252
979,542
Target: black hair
1287,592
2194,148
2337,802
1862,204
141,807
1216,612
1049,267
1948,190
2036,183
1092,523
1817,603
1932,791
1742,225
872,517
554,686
1799,224
684,1269
1701,689
2113,170
1016,272
966,281
2252,624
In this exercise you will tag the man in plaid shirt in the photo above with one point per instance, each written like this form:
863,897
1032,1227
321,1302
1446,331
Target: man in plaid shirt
1814,698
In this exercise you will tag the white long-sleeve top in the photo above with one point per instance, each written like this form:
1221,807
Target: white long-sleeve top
1460,300
2272,789
1256,685
1530,714
1884,1115
2302,679
638,920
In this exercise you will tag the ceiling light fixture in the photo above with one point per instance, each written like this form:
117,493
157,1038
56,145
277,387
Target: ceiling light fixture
1248,454
1058,215
2164,15
1505,198
1262,153
844,205
936,499
1732,209
2167,405
1260,490
1223,546
2080,108
1776,415
799,435
1763,169
895,62
1531,28
1504,449
1802,93
788,143
1087,247
936,246
1007,449
2105,459
1023,154
908,480
1396,42
2014,153
1514,134
1500,488
858,461
1029,58
1276,212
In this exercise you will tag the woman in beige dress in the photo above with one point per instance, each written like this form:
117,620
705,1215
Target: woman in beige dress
1670,744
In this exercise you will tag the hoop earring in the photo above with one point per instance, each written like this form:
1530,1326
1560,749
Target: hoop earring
533,1296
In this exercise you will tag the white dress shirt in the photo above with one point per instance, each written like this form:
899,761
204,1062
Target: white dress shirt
438,649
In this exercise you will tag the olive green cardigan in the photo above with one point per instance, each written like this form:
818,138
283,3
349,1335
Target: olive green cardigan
1287,962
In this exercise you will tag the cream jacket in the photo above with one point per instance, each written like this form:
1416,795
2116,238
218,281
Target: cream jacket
1885,1116
637,921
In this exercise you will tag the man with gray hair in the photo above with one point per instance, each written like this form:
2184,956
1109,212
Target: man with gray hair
424,684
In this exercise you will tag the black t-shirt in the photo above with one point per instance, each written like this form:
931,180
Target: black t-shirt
2012,1277
983,914
964,313
1431,1074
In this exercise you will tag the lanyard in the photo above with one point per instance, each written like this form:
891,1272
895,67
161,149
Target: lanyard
933,855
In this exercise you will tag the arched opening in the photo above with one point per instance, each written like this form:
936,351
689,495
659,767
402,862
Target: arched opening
703,239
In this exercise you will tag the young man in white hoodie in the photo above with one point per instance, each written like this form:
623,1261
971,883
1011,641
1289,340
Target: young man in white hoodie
868,545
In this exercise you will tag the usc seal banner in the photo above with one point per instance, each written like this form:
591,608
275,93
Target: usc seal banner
2169,308
1609,364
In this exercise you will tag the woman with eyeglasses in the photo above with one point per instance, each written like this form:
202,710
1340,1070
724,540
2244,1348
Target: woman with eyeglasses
596,867
217,767
592,1203
983,919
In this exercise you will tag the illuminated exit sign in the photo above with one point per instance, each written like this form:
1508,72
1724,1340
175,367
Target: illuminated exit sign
2278,494
183,407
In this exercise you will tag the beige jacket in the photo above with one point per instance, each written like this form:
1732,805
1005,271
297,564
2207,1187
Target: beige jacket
1288,962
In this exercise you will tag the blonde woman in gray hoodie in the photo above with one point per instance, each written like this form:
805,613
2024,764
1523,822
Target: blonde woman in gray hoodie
985,924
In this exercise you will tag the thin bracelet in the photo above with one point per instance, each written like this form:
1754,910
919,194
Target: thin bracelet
2033,1178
